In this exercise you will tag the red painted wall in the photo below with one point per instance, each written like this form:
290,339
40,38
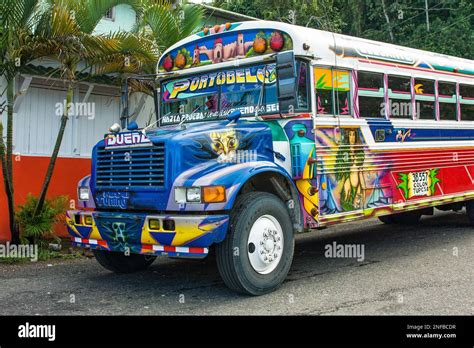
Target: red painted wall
28,177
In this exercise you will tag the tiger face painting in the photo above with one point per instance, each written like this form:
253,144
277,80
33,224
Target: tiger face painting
224,144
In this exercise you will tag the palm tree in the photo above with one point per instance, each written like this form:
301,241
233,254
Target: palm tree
17,20
165,23
65,33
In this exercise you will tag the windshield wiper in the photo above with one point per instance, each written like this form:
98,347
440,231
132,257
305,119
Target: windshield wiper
151,125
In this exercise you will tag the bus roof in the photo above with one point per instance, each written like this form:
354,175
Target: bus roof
233,41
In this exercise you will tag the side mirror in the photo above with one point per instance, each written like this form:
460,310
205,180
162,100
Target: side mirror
286,83
234,115
132,125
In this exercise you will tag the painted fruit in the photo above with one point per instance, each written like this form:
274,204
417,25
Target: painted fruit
180,61
276,41
168,63
227,26
260,45
206,30
217,27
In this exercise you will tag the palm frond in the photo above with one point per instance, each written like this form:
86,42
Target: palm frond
192,19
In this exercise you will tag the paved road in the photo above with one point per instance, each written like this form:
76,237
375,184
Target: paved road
427,269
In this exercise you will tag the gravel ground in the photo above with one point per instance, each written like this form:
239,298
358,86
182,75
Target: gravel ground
424,269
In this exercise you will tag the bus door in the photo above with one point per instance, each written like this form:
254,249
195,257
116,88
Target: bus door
339,143
304,168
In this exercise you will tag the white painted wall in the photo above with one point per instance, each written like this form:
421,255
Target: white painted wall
124,19
36,124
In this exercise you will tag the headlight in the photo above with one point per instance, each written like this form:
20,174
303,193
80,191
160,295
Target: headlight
83,193
193,194
197,194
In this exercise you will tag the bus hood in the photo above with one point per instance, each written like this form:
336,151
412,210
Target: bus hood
178,155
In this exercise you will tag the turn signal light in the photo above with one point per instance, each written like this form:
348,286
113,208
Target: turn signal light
213,194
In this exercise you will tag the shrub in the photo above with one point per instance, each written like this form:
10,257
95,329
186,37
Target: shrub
38,229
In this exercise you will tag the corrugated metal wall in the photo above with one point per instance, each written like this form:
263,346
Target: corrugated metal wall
36,124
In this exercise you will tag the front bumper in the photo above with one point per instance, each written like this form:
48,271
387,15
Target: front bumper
180,235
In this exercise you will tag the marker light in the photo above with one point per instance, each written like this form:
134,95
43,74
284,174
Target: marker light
213,194
83,193
115,128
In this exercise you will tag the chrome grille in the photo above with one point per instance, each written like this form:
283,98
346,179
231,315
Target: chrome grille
131,167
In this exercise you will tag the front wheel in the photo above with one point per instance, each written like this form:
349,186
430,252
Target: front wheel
258,250
121,263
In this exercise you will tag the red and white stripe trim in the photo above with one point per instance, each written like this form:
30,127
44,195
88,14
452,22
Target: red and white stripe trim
175,249
90,241
151,247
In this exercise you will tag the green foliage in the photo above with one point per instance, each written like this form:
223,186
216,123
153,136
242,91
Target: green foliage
450,21
319,14
38,228
164,23
450,31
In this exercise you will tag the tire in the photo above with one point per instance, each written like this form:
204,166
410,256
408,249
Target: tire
408,218
256,216
470,211
121,263
387,219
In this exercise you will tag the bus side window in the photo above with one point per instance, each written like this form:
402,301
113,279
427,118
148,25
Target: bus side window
342,92
425,99
466,93
332,91
371,94
323,79
447,101
399,93
302,92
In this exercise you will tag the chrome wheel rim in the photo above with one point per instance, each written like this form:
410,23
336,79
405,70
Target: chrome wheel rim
265,244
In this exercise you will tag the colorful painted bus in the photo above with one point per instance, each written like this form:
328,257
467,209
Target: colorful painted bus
265,130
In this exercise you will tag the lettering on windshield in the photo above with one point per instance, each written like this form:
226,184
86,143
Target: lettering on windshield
214,95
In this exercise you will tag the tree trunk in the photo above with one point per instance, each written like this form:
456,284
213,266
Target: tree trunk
387,18
7,164
15,233
54,156
10,103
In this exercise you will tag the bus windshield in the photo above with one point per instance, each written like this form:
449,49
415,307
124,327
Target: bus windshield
213,95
